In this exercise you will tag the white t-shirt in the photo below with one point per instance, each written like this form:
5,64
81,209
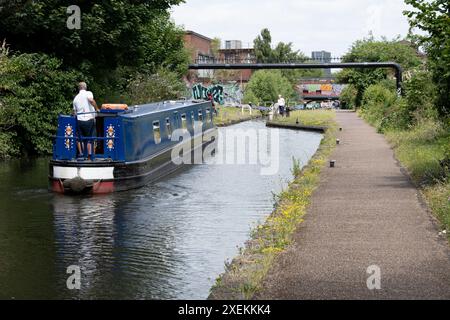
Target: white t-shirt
81,105
281,102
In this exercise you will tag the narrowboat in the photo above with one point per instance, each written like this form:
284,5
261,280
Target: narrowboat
134,145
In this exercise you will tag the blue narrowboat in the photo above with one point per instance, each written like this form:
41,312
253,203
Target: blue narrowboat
134,145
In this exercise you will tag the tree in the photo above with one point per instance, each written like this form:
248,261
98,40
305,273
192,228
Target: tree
283,53
215,47
117,37
162,85
370,50
33,91
121,44
266,85
433,17
348,97
112,32
263,47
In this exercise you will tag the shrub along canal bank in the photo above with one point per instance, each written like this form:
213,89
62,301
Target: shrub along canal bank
244,275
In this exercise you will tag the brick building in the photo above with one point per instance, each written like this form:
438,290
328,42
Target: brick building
199,47
234,53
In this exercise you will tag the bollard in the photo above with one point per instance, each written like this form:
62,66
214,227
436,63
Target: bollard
332,162
340,129
337,141
296,121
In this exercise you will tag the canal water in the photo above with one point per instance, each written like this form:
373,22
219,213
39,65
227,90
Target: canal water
168,240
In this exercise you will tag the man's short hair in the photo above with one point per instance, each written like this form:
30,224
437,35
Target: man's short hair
82,85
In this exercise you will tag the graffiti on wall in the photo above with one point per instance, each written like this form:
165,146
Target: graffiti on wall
232,93
201,92
322,89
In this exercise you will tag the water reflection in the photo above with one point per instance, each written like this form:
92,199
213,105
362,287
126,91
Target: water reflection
167,240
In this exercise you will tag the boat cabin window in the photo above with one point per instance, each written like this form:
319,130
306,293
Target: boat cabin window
183,121
208,115
156,132
169,128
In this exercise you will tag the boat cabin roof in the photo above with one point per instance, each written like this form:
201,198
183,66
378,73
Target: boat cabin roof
156,107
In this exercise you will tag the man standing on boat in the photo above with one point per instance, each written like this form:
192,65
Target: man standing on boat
84,107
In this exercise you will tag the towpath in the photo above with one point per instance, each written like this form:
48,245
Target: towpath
365,212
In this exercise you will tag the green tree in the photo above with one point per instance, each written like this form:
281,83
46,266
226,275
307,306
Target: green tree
263,47
33,91
433,17
282,53
112,32
215,47
266,85
348,97
117,37
162,85
370,50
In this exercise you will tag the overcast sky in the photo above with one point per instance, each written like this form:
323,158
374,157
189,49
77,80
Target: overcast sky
331,25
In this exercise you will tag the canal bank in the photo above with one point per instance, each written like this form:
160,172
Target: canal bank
244,275
228,116
366,219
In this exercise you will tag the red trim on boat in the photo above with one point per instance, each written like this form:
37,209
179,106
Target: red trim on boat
103,187
57,186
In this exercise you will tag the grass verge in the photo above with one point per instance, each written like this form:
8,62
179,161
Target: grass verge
424,151
243,277
231,115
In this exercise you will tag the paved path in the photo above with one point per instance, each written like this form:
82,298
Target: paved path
365,212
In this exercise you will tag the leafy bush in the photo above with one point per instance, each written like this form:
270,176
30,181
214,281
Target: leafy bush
348,97
381,107
113,33
163,85
432,17
420,94
33,91
8,145
370,50
266,85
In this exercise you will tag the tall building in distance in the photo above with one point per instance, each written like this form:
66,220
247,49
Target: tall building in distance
322,56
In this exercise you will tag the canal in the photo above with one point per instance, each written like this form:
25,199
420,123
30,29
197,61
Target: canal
168,240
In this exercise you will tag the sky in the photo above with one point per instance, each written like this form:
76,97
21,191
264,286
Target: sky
311,25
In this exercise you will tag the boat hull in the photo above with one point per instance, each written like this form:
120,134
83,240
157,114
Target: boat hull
101,177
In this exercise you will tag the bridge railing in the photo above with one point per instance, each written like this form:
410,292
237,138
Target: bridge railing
252,60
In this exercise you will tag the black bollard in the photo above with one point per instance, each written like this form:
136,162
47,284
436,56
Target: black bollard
332,162
337,141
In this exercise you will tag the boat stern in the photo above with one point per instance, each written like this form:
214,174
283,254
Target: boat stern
69,178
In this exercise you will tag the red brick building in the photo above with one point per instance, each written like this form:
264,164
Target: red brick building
238,55
200,49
